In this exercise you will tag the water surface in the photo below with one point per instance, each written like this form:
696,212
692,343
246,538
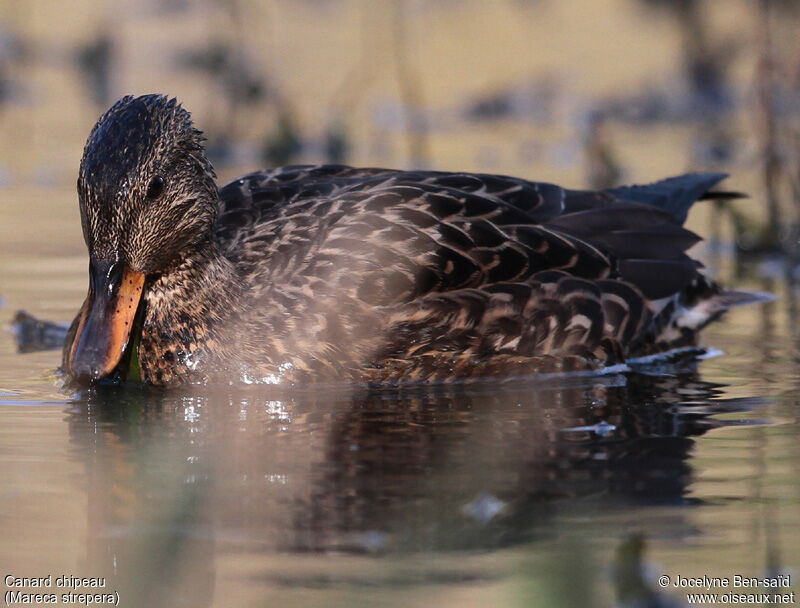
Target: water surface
494,493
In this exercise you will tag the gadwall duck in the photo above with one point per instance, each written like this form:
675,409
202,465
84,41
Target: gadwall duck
337,274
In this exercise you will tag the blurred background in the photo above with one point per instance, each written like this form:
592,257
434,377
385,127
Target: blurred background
488,496
580,93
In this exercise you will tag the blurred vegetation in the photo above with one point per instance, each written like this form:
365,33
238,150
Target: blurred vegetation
587,95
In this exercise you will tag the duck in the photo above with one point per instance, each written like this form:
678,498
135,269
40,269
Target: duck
317,274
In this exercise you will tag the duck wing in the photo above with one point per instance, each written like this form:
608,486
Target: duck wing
402,234
472,263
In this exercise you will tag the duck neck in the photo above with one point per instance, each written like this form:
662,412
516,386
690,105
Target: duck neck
187,310
202,274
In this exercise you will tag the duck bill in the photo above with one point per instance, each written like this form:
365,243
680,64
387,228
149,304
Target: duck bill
105,321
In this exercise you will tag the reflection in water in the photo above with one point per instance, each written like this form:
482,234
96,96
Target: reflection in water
177,481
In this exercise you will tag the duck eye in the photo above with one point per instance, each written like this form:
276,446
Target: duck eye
156,187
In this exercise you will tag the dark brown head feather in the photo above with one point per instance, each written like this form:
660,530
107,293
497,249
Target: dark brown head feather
135,141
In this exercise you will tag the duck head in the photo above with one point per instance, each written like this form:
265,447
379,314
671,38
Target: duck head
148,198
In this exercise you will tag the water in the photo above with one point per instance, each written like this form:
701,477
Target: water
564,492
516,493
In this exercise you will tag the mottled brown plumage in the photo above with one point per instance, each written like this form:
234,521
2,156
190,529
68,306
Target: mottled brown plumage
338,274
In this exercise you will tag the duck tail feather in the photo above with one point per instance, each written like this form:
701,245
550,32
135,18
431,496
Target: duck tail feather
709,309
731,298
723,195
675,194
